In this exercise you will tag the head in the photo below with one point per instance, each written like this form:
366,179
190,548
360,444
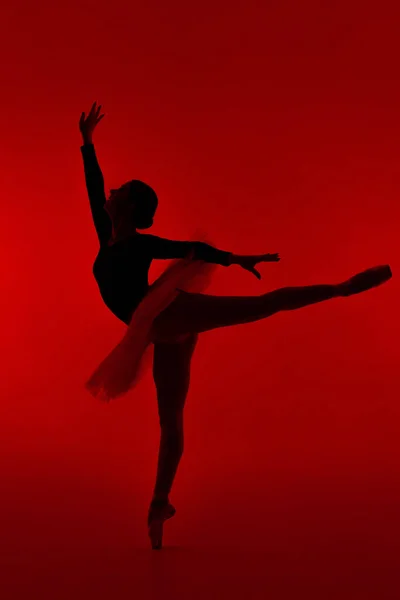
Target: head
131,207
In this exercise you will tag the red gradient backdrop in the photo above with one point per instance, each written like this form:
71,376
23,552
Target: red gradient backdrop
274,127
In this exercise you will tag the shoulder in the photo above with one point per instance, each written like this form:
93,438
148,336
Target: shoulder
146,240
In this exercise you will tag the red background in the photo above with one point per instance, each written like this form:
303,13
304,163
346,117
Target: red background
273,127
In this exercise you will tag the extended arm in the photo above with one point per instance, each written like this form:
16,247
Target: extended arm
93,175
162,248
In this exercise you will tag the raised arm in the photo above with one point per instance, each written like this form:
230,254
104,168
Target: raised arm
93,176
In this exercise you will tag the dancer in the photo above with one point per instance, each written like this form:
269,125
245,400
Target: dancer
165,317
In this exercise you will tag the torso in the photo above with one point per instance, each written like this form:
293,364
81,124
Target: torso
121,271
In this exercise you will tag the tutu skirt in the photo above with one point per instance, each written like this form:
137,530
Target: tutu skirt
125,365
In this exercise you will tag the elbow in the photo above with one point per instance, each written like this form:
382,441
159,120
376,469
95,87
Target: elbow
199,250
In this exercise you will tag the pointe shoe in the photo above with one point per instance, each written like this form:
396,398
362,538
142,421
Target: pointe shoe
366,280
158,514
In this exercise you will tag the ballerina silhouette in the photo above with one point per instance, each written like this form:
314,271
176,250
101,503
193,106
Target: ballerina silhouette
166,317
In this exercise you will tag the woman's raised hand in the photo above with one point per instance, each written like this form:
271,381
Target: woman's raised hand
88,124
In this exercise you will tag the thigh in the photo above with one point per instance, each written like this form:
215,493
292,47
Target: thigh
193,313
171,373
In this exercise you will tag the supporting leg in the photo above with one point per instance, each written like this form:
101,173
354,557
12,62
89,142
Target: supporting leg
171,372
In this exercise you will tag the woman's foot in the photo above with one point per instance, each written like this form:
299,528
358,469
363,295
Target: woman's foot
365,280
159,511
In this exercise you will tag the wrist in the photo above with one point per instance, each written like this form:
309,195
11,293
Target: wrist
87,139
234,259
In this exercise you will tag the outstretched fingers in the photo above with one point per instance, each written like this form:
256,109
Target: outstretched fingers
92,110
271,257
89,122
97,117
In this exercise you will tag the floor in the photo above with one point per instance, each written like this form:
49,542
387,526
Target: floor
77,539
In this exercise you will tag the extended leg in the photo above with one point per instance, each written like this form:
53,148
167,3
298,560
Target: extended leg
195,313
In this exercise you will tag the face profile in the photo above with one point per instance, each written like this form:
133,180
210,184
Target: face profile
144,203
132,206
